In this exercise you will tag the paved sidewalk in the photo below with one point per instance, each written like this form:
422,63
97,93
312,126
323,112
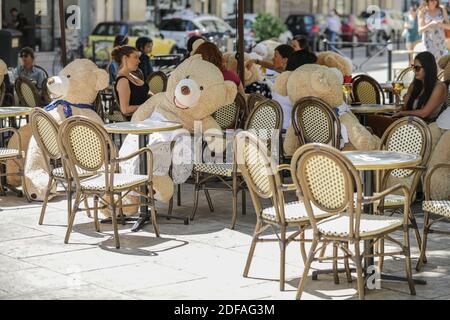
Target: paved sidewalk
204,260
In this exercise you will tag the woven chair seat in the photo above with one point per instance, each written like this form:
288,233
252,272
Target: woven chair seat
59,173
121,181
370,225
293,212
8,153
441,208
220,169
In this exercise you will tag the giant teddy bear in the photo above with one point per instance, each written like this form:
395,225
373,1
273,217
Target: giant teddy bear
73,92
195,90
251,75
325,83
440,131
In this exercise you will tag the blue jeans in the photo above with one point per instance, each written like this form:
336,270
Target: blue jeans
332,37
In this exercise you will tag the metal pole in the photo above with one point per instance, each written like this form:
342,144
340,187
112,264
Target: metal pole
389,48
62,22
240,46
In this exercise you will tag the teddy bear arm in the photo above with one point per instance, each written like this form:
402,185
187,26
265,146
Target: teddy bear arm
358,135
146,109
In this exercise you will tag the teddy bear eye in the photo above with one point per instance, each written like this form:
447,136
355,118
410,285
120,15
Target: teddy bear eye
68,76
201,88
187,77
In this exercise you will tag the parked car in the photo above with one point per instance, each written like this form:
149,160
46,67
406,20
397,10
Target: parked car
249,32
354,29
307,24
182,28
105,32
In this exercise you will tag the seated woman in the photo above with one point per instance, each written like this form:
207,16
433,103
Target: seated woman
145,46
113,67
295,61
212,54
426,96
130,90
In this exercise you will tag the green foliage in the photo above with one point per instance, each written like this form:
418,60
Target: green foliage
268,26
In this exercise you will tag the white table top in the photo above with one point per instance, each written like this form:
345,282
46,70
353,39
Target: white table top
382,160
145,127
6,112
374,108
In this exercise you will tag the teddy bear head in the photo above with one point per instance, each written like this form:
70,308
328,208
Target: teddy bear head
197,89
3,71
311,80
79,82
335,60
266,49
252,74
444,64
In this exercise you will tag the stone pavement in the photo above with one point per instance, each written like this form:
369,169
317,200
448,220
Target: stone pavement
204,260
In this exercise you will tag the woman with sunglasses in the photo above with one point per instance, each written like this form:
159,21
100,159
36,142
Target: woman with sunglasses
426,96
433,20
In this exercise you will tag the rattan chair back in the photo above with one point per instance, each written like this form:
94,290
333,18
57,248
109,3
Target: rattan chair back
157,82
367,90
27,93
328,180
265,120
315,121
253,100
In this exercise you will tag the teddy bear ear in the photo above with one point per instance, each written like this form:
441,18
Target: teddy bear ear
231,92
280,85
102,79
443,62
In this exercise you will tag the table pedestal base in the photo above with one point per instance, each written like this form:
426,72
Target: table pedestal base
384,277
144,219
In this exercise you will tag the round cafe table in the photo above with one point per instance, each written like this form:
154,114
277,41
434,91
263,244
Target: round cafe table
368,162
143,130
363,110
11,113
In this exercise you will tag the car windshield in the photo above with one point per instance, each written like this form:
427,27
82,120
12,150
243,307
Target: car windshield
214,26
141,30
108,29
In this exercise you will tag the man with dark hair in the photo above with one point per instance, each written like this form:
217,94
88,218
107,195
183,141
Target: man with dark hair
299,58
27,69
145,46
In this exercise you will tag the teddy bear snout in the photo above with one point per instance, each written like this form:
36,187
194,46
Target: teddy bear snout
187,93
185,90
58,86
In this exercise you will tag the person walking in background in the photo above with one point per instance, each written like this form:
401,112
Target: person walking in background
334,26
433,20
145,46
119,40
411,30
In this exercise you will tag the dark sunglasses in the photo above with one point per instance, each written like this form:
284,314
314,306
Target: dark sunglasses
416,67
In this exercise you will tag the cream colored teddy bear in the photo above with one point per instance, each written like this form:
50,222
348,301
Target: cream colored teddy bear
73,92
3,71
196,89
440,131
324,83
252,74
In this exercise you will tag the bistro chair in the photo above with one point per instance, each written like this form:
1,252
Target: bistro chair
435,211
367,90
406,76
262,176
27,93
15,155
327,180
43,69
45,130
315,121
86,145
2,93
441,75
157,82
408,135
253,100
264,119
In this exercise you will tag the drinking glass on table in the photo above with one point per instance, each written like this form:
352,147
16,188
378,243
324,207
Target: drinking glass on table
347,88
397,88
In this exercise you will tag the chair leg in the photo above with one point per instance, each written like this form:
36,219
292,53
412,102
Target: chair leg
359,271
47,195
196,195
324,249
121,215
347,266
235,191
22,180
335,263
426,230
72,217
304,279
282,243
381,252
97,223
69,200
244,202
112,206
302,245
407,251
86,206
252,250
179,195
153,212
208,199
415,227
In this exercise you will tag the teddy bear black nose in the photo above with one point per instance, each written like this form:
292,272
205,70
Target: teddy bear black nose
185,90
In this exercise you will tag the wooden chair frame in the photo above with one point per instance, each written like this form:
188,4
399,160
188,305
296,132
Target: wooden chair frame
363,78
164,79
